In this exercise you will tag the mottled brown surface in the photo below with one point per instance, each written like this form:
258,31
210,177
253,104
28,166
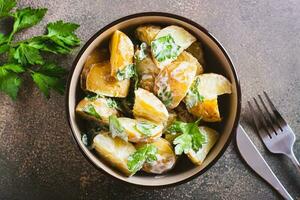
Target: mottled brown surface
38,159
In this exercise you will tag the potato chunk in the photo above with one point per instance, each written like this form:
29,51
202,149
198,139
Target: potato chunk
165,158
114,150
121,52
212,136
139,130
147,33
99,81
148,106
174,81
96,109
209,86
169,43
185,56
196,49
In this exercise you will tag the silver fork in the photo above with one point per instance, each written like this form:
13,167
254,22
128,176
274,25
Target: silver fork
273,129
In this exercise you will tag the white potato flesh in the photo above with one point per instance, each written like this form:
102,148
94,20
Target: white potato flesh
114,150
181,37
166,158
147,33
185,56
135,134
100,105
121,52
98,80
212,136
148,106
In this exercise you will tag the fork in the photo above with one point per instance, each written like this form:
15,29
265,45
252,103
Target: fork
274,131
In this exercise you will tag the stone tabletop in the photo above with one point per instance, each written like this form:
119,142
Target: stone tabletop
38,158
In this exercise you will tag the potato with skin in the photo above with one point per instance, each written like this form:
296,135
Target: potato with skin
140,130
98,80
147,33
212,136
182,38
210,86
121,52
114,150
166,158
196,49
148,106
96,109
174,81
185,56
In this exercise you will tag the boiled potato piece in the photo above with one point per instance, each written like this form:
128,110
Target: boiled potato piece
121,52
174,81
147,71
170,36
207,110
185,56
147,33
139,130
99,81
96,109
114,150
209,87
196,49
211,138
148,106
165,158
97,56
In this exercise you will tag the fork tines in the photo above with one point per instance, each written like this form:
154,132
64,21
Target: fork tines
267,121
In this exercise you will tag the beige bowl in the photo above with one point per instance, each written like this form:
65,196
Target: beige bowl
217,60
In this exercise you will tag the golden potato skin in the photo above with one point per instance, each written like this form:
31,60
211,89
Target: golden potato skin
212,136
121,52
166,158
207,110
178,76
101,107
148,106
196,49
147,33
114,150
99,81
185,56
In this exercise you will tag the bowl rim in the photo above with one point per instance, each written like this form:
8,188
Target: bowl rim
184,19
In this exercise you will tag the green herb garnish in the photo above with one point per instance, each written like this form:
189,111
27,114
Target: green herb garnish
190,139
164,48
147,153
145,128
116,129
90,110
126,73
59,39
165,95
193,96
141,53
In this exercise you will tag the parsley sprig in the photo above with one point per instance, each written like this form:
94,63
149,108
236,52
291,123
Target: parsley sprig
26,56
190,139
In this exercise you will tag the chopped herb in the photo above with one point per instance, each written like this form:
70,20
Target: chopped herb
141,53
145,128
164,48
126,73
193,96
90,110
116,129
190,139
165,94
112,103
147,153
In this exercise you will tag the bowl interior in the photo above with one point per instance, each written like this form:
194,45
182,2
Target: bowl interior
217,62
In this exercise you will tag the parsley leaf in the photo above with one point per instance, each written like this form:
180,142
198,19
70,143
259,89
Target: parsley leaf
27,17
190,139
126,73
112,103
3,43
145,128
90,110
193,96
26,54
6,6
165,94
164,48
9,80
49,76
146,153
116,129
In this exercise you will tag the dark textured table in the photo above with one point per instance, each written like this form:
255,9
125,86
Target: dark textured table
38,159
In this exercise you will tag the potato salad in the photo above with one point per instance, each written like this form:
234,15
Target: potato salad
146,98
